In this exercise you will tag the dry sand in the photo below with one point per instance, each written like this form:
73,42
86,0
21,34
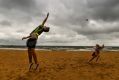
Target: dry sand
59,65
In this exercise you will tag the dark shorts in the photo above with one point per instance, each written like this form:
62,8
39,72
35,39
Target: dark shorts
31,43
93,54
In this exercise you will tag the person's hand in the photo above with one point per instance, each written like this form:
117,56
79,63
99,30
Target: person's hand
23,38
48,14
103,45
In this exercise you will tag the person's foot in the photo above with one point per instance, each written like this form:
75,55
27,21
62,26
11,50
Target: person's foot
30,66
36,66
89,62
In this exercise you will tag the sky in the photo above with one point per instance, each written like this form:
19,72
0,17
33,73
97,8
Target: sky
67,21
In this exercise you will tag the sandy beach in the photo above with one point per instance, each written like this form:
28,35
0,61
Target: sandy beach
59,65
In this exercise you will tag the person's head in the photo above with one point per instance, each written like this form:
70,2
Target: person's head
97,45
46,29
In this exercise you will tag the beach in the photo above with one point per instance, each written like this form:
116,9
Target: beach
59,65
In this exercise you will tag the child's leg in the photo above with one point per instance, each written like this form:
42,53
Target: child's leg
91,59
97,58
93,56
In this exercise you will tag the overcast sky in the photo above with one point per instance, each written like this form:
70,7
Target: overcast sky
67,21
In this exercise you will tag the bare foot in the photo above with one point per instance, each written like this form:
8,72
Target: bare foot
30,66
37,65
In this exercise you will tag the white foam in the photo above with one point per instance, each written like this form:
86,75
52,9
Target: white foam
57,49
23,49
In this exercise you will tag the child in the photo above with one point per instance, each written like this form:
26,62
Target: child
96,53
32,40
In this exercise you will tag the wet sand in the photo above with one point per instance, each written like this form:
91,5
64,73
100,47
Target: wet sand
59,65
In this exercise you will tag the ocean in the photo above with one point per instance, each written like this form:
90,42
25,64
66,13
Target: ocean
56,48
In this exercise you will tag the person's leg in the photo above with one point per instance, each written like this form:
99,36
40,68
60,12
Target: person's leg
30,55
30,58
97,58
34,56
92,58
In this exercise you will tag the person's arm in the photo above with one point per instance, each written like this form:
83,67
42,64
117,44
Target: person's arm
44,21
96,51
26,37
102,46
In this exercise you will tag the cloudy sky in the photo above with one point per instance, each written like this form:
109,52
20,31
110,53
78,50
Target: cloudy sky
67,21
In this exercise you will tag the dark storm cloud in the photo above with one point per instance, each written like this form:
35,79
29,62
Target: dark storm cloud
11,42
90,31
21,10
104,9
5,23
17,4
75,12
72,12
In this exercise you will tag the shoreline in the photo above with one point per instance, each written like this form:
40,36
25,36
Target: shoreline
54,49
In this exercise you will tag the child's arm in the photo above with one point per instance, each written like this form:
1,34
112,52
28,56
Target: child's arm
102,46
45,20
96,51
